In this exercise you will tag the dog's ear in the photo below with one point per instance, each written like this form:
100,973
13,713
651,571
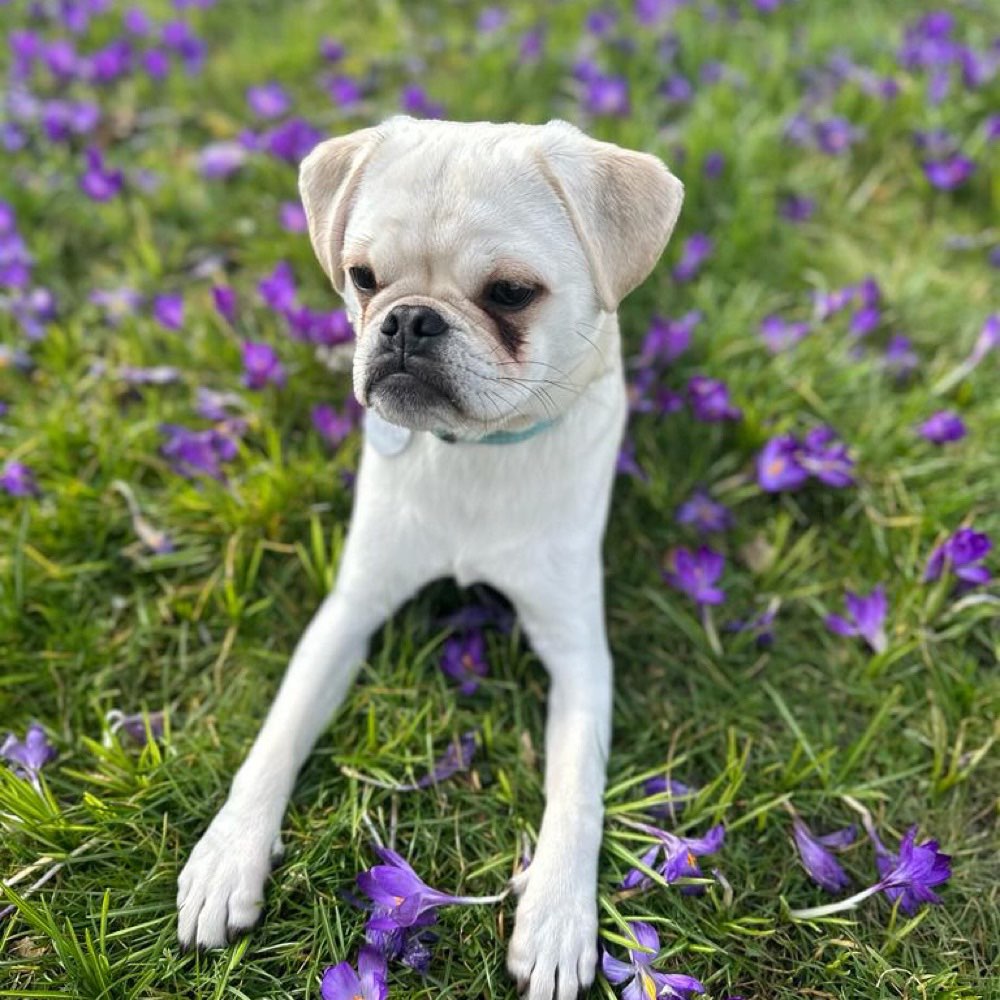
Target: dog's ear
328,182
623,205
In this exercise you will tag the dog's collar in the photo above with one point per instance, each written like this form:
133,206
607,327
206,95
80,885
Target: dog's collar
499,437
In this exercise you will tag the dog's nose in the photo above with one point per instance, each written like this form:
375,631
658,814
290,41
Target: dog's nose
413,322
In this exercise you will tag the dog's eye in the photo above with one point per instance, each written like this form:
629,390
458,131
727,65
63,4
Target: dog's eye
509,294
363,278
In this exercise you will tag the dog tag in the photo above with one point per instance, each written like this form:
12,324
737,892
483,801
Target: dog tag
387,439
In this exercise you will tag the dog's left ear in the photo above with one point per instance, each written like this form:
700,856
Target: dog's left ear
623,205
328,179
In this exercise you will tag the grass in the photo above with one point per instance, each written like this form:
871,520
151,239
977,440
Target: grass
89,622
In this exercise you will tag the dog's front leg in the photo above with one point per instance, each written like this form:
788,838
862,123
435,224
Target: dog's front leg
221,889
553,951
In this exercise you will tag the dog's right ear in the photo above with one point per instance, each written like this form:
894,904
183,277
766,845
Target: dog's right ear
328,182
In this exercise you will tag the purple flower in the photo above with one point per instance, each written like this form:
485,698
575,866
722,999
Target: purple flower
696,250
679,795
713,166
826,458
414,100
224,300
778,466
344,91
821,866
18,480
866,618
341,982
97,182
261,366
760,625
463,659
268,100
192,453
667,339
290,141
943,427
961,554
709,399
332,425
987,341
135,725
168,310
30,756
278,289
696,574
627,464
117,303
156,63
292,217
601,22
491,19
948,174
331,50
910,875
779,334
606,95
704,514
900,358
214,405
644,982
864,320
677,88
219,160
835,135
401,897
458,757
674,857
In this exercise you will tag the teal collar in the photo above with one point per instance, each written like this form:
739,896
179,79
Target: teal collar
501,437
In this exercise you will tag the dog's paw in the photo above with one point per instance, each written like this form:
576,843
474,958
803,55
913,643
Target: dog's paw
220,892
553,952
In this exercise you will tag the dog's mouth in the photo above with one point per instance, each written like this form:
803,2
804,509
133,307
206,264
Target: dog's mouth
411,392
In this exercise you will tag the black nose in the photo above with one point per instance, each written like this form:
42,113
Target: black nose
412,322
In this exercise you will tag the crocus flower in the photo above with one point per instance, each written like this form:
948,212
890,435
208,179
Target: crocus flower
117,303
414,100
644,982
697,573
627,463
713,166
836,135
948,174
679,795
401,897
822,867
987,341
943,427
909,876
826,458
667,339
97,182
463,659
18,480
606,95
192,453
900,358
29,756
214,405
224,300
135,726
778,466
278,289
704,514
797,208
456,758
780,334
760,626
219,160
292,217
261,366
268,100
168,310
696,250
962,554
341,982
866,618
709,399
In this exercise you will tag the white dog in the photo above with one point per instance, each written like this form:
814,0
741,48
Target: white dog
482,266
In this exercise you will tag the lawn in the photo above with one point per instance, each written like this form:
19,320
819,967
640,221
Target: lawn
843,192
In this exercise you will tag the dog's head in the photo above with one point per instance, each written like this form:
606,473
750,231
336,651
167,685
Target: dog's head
478,262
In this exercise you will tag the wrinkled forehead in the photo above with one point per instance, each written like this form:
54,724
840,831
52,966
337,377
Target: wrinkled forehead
444,200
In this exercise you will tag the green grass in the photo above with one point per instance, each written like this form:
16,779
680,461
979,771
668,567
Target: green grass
87,622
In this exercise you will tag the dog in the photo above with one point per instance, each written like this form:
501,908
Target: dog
482,266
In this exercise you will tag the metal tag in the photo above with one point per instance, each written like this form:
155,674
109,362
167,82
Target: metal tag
387,439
